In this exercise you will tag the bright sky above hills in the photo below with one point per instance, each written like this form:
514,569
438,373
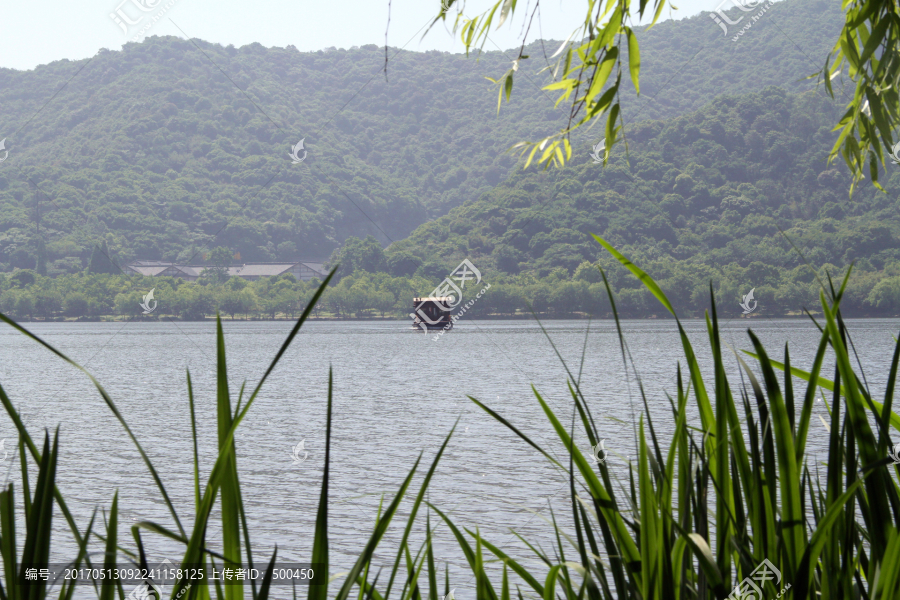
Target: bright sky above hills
38,33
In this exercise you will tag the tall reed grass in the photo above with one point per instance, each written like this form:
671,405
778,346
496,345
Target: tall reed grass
702,511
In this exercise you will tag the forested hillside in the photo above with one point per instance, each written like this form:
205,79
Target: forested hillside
157,151
687,63
720,194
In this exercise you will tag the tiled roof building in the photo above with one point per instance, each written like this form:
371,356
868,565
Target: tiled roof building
302,270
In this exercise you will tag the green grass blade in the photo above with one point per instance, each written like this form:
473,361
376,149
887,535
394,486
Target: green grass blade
36,551
231,524
550,582
650,542
809,398
220,470
371,591
577,512
23,469
597,565
760,482
267,578
8,542
190,388
320,538
107,592
789,390
721,464
429,556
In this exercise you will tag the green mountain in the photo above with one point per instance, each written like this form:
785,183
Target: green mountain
737,193
687,63
169,148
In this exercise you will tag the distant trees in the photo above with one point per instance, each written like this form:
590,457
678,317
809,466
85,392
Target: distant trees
359,255
220,258
886,295
47,302
21,279
41,267
17,302
76,305
383,301
402,264
242,302
26,295
129,304
192,302
101,262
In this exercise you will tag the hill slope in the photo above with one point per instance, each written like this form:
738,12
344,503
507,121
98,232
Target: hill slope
705,196
165,149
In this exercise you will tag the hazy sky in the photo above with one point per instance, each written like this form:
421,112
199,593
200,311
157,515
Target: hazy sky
34,33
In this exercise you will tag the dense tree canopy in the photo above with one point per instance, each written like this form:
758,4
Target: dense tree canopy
153,150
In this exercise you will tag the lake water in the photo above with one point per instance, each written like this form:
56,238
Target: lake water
396,394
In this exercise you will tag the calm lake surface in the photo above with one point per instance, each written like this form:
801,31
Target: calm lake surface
397,394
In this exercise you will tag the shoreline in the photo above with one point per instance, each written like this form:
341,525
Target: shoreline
519,317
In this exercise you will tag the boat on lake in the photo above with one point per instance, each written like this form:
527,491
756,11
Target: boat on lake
432,313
